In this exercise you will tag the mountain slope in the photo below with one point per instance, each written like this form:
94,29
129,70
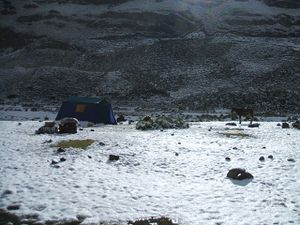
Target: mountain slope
181,54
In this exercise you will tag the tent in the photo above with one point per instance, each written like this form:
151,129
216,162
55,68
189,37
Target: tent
93,110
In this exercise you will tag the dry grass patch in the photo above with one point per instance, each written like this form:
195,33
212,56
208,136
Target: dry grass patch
83,144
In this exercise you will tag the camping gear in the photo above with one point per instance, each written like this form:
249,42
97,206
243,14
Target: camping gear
48,128
93,110
68,125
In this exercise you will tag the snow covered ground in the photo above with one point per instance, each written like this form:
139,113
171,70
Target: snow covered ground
150,179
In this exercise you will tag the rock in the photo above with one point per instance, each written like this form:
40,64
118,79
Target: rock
89,156
263,147
53,162
101,144
62,159
176,154
179,143
13,207
235,148
80,129
56,166
278,125
19,124
270,157
60,150
7,192
114,157
291,160
227,159
230,124
92,130
172,134
239,174
261,158
285,125
254,125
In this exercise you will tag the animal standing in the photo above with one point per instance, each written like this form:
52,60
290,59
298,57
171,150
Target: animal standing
246,112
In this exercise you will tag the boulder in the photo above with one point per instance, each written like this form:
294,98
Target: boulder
261,158
239,174
270,157
227,159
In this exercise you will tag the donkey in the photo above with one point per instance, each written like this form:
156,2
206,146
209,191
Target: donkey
243,112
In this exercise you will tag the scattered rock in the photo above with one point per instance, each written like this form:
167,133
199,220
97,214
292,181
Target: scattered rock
261,158
53,162
227,159
291,160
239,174
62,159
270,157
13,207
60,150
263,147
7,192
179,143
47,141
92,130
253,125
56,166
114,157
19,124
80,129
230,124
89,156
172,134
176,154
235,148
278,125
101,144
285,125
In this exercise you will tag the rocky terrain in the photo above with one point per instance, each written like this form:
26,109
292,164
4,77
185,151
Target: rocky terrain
191,55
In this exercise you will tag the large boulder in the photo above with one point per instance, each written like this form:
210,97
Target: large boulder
239,174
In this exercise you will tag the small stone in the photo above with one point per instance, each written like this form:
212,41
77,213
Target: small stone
89,156
53,162
261,158
227,159
172,134
19,124
114,157
270,157
263,147
235,148
13,207
59,150
291,160
92,130
285,125
7,192
176,153
278,125
56,166
101,144
80,128
161,130
179,143
62,159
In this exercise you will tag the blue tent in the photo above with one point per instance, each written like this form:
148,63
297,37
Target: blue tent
93,110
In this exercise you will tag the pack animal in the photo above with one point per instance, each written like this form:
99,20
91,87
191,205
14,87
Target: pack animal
246,112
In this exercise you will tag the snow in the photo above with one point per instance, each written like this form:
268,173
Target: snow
149,179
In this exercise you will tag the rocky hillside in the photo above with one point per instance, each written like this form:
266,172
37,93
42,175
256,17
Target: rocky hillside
192,55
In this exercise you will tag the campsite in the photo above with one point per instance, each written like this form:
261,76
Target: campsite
113,174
